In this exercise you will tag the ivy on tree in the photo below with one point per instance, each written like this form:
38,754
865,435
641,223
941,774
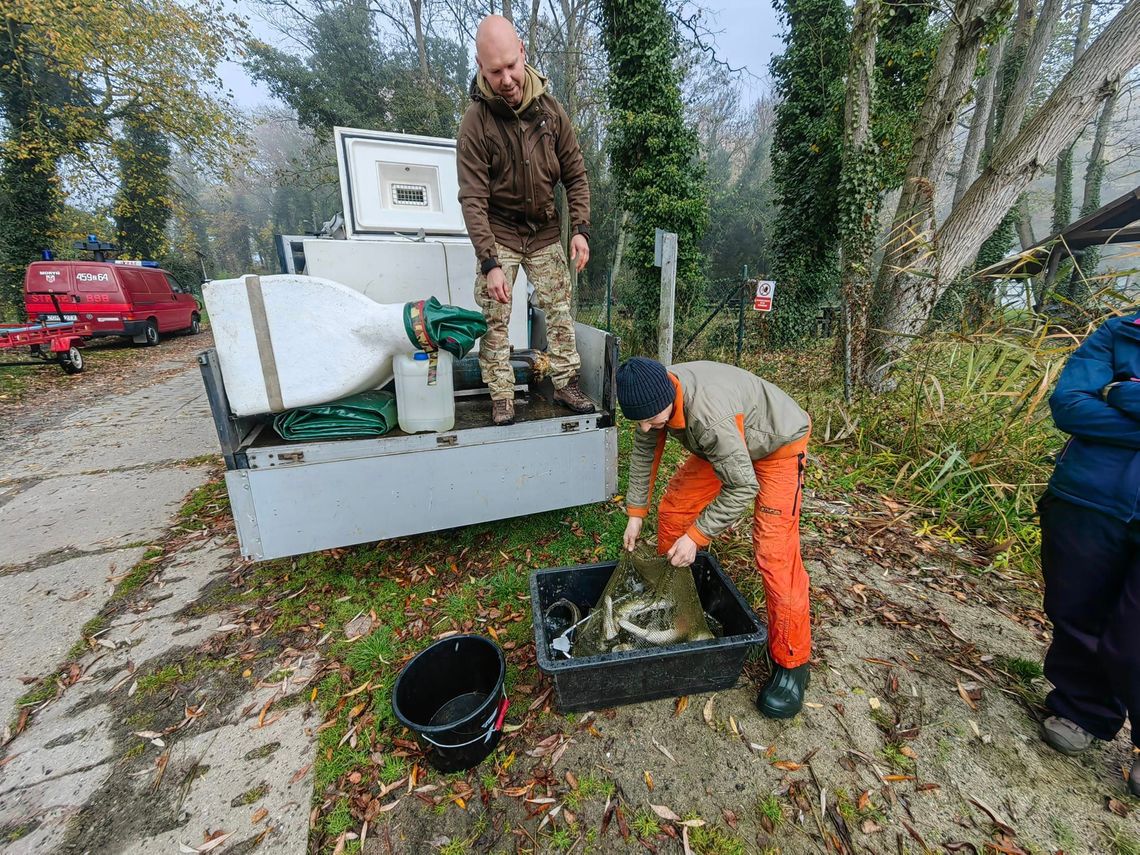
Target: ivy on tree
654,157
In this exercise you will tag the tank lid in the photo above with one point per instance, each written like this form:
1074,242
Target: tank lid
420,356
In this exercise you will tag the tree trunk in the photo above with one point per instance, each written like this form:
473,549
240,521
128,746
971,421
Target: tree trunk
421,43
1063,185
980,123
532,31
571,14
913,277
1063,190
860,193
1025,224
1011,62
1082,283
1019,73
508,12
1018,101
616,269
911,241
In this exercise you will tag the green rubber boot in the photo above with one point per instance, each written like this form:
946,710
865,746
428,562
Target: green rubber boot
783,695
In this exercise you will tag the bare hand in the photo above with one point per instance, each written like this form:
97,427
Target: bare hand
579,251
684,552
632,530
497,285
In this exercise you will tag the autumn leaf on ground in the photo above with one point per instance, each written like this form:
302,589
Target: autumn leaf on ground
681,705
664,812
708,711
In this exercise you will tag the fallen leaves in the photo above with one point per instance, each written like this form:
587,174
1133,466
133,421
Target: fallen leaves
664,812
663,749
649,781
300,773
971,693
212,842
258,816
1117,807
709,712
681,705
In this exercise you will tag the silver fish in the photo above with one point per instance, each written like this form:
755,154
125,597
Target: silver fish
653,636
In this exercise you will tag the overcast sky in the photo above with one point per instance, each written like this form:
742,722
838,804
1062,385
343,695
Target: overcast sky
747,35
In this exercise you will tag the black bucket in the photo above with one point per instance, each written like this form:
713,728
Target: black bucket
451,696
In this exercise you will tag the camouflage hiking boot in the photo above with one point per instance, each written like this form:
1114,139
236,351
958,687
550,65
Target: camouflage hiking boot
503,412
573,398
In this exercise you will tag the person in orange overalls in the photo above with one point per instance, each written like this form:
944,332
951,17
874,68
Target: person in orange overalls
748,441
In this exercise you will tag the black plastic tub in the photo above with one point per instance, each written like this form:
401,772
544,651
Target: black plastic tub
613,679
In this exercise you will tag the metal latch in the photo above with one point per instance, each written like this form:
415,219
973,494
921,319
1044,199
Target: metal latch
291,456
570,427
447,440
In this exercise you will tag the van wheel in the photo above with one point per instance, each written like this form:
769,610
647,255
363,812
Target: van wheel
151,334
195,324
72,361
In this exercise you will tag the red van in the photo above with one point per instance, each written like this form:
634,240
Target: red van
129,298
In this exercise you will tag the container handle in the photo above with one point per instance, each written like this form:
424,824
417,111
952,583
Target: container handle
492,725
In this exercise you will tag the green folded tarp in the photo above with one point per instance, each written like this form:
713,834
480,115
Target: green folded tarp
365,414
433,326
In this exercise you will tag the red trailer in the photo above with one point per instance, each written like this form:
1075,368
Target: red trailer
47,340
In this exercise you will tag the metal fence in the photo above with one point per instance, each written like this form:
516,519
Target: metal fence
721,324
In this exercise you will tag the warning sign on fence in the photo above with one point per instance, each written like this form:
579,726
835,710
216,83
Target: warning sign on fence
765,293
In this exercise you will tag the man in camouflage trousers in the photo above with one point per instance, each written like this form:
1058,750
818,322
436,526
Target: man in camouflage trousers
515,145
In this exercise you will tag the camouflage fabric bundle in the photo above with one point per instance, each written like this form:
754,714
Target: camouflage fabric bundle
647,603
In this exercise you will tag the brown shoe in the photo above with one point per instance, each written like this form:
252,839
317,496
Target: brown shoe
573,398
503,412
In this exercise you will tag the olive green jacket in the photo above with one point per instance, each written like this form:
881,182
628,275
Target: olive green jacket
729,417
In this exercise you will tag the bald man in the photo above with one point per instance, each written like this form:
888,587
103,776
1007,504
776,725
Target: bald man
515,145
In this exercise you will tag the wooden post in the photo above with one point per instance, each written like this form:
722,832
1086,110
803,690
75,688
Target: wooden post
667,259
740,315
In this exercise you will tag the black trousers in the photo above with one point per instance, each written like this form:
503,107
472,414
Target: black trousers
1091,564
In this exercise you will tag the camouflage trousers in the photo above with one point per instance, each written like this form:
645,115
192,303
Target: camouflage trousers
547,271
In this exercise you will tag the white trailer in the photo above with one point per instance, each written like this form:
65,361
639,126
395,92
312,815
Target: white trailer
405,240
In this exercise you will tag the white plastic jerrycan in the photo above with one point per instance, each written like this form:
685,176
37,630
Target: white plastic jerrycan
423,405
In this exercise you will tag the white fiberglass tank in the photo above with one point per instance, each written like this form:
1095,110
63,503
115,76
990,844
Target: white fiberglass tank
404,231
424,402
293,341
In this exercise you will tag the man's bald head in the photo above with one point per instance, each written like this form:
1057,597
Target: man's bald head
501,58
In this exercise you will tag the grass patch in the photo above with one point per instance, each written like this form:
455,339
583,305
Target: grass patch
645,824
1123,843
892,753
339,819
169,676
1025,671
250,796
769,807
44,690
204,503
712,840
1066,839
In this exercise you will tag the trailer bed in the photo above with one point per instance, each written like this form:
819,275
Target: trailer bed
301,496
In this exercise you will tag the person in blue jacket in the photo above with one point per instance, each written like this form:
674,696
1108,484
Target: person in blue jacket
1090,545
